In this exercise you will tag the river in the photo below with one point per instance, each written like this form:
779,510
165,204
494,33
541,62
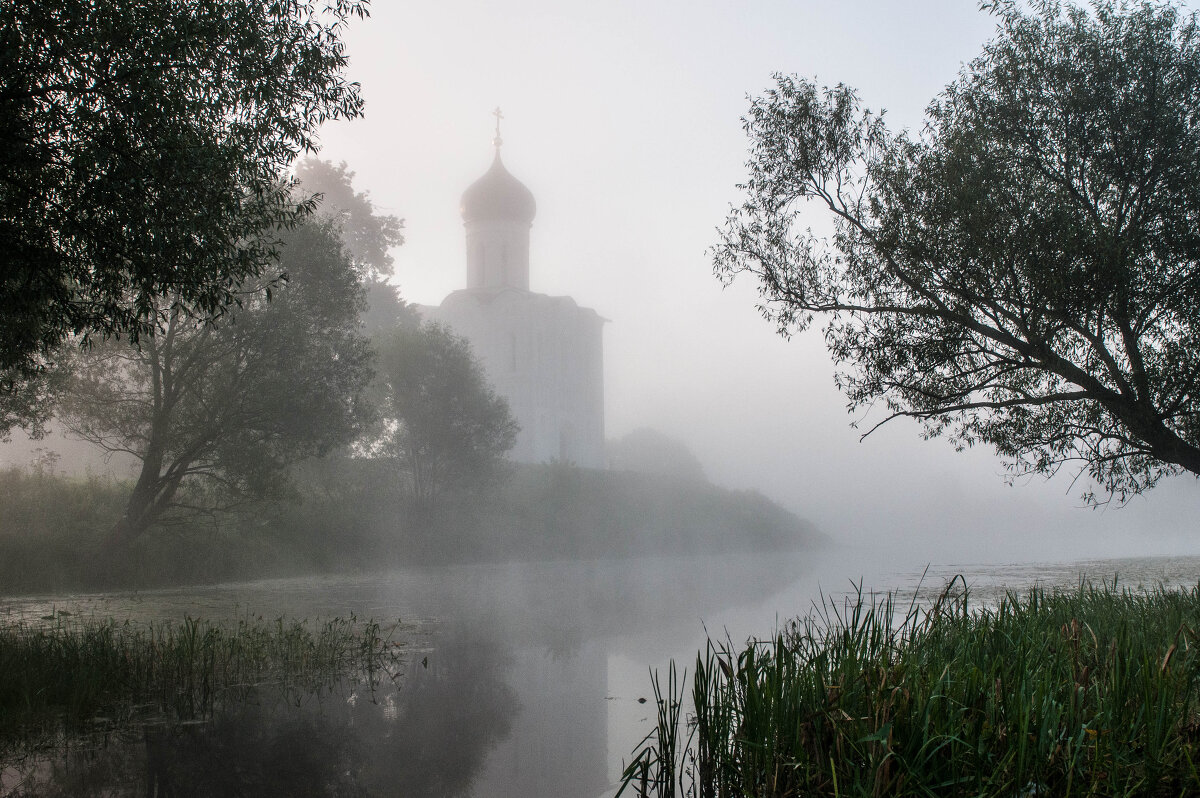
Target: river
525,679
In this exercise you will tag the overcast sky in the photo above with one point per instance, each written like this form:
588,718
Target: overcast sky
623,118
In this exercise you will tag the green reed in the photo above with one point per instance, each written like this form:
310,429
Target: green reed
1088,692
74,675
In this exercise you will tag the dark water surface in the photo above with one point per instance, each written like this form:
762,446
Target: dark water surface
523,680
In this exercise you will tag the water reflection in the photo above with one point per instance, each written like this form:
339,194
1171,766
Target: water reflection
508,695
430,737
524,682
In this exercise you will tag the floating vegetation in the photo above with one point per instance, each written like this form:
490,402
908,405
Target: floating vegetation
1093,691
72,676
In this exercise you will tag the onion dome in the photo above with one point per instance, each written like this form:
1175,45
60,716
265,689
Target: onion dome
498,196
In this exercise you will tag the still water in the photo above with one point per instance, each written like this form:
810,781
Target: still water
523,679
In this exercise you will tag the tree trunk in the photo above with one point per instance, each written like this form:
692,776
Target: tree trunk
133,523
150,498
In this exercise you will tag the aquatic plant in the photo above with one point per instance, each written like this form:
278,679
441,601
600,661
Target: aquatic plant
69,675
1093,691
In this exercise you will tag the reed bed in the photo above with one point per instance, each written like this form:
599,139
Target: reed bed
1093,691
76,675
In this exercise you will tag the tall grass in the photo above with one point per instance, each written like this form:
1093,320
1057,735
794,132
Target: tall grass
1088,692
76,675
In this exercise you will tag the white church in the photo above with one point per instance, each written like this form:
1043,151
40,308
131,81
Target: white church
544,354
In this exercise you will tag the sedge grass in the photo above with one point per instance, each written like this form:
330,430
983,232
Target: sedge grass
1088,692
75,675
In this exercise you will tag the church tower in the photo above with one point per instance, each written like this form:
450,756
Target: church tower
544,354
497,212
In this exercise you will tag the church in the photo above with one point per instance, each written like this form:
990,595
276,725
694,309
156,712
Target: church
544,354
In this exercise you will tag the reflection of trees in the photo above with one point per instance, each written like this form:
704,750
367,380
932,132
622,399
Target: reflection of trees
430,737
449,715
264,749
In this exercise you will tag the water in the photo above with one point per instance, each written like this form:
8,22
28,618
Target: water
524,680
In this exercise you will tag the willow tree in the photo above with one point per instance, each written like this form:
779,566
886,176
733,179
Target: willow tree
231,403
1024,273
144,146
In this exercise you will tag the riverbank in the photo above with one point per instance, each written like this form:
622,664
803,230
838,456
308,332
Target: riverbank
352,516
545,663
1090,691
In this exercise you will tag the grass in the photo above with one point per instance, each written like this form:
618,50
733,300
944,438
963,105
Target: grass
1088,692
348,515
75,676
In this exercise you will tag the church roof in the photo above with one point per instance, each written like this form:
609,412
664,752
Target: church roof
498,196
491,297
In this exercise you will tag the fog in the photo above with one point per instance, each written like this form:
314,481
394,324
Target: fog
624,120
520,603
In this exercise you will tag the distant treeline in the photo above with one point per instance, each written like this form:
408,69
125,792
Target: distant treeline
353,515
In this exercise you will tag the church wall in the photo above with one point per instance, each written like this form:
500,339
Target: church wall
497,255
544,355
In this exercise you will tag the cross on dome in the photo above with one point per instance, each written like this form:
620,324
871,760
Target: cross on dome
499,115
498,195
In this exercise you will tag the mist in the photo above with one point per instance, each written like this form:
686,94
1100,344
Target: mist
505,606
624,122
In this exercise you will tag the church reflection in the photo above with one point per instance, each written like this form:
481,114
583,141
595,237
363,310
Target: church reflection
558,742
515,696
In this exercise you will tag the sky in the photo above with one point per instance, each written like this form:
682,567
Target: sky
624,119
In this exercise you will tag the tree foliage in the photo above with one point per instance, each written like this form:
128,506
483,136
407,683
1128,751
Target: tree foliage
649,451
232,402
443,423
143,153
367,234
1026,272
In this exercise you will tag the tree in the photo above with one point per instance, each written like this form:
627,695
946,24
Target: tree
143,151
1025,273
368,237
649,451
232,402
443,423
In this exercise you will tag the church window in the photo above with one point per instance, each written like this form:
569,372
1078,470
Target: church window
512,351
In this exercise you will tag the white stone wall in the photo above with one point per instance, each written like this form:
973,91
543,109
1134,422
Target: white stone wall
545,356
498,255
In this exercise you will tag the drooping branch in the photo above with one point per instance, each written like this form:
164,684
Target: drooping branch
1005,278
